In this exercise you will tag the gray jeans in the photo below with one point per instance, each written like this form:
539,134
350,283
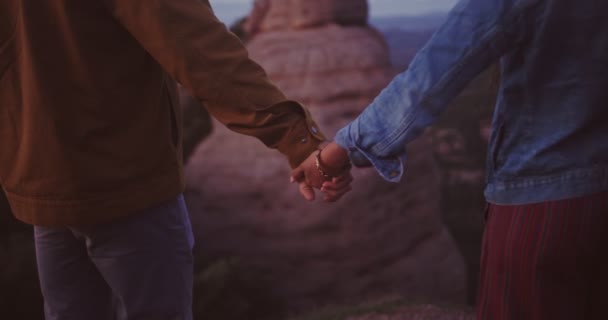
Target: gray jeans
137,268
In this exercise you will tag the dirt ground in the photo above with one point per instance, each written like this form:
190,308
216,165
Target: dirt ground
421,313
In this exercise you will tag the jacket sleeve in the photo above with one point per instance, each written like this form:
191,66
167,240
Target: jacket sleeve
197,50
475,34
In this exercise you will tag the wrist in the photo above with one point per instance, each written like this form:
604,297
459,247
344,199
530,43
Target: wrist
334,156
332,161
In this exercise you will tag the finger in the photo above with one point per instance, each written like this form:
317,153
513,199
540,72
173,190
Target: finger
297,175
330,186
333,196
307,191
347,176
336,196
314,179
337,184
342,178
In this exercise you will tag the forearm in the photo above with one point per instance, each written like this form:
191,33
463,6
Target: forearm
197,50
475,34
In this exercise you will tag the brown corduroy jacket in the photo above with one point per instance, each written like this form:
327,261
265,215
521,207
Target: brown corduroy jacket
89,119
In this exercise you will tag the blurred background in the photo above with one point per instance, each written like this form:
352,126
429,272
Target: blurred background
385,251
231,10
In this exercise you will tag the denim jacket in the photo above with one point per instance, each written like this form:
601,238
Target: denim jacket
550,126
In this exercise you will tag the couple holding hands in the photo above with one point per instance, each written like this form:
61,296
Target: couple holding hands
91,153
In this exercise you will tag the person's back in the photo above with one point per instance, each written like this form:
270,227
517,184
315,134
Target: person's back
83,97
550,134
89,120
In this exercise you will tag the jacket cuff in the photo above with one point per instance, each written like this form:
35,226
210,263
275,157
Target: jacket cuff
390,168
303,139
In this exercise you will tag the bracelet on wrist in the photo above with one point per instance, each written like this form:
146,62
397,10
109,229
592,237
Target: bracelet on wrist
329,173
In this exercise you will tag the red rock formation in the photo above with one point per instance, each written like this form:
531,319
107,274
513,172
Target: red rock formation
281,15
334,65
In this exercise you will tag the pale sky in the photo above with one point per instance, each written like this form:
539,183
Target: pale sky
229,10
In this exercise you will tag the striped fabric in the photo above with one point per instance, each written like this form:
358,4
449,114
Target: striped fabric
546,261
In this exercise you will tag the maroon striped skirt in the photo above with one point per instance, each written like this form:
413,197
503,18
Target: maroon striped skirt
546,261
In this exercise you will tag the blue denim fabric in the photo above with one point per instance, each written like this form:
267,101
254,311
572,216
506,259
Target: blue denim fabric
550,137
139,267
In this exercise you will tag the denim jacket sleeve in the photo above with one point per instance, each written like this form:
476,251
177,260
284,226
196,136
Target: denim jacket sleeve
475,34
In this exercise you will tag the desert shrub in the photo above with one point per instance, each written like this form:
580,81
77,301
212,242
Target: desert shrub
224,289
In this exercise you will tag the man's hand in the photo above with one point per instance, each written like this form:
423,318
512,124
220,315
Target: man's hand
328,170
308,177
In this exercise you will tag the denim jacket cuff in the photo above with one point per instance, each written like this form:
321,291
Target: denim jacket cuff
389,168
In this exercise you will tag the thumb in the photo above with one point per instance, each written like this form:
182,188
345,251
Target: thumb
297,175
307,191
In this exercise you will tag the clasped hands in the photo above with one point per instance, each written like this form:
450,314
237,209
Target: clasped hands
328,170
